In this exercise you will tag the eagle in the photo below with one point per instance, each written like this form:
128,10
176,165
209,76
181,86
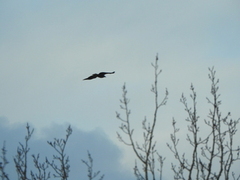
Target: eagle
99,75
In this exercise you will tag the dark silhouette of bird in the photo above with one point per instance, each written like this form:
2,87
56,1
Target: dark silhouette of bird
99,75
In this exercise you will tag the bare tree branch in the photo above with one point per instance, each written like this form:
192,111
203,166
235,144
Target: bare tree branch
42,173
91,174
147,150
20,159
3,163
216,146
59,145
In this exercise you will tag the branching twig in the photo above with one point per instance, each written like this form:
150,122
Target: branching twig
20,159
42,173
3,163
91,173
145,152
217,146
59,145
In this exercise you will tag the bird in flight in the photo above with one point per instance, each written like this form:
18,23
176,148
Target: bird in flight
99,75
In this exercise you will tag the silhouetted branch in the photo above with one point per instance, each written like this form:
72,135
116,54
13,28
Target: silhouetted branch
20,159
137,173
3,163
59,145
146,151
216,146
91,173
161,160
42,173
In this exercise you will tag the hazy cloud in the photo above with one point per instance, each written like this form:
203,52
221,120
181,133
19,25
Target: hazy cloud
105,154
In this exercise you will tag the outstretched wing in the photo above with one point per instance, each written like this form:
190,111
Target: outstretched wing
103,73
91,77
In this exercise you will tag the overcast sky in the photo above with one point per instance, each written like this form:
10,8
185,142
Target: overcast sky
48,47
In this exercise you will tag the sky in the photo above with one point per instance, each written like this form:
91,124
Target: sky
47,48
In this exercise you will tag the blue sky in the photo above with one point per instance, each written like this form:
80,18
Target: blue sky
48,47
